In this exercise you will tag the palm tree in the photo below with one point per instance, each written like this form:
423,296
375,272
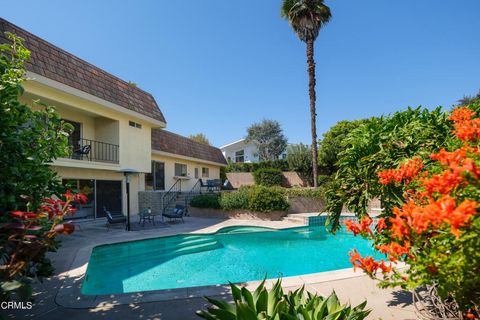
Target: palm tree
307,17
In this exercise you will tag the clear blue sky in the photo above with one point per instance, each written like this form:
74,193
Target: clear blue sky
217,66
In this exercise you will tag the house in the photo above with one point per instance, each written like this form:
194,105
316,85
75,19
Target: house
242,151
117,127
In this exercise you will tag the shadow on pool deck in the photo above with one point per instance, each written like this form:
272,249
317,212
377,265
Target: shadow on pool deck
388,304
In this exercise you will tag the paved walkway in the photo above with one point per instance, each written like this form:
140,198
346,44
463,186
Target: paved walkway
386,304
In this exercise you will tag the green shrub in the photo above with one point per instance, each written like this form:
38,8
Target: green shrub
267,199
275,304
323,179
268,177
253,166
235,200
206,201
317,193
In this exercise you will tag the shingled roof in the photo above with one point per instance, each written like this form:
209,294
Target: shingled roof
56,64
167,141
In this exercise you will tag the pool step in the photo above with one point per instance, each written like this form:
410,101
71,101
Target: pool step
158,253
295,219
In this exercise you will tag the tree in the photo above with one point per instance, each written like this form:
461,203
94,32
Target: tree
333,143
307,17
268,137
299,159
29,141
199,137
466,100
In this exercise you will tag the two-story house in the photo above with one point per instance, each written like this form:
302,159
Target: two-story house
117,127
242,151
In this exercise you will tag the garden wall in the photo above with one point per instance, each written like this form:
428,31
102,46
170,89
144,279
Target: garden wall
238,179
305,205
236,214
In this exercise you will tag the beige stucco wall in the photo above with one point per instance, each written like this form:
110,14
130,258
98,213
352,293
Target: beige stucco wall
93,174
187,184
100,123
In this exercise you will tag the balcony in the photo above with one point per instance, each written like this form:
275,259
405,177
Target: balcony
98,151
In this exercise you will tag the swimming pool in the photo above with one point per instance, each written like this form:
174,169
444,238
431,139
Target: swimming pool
235,254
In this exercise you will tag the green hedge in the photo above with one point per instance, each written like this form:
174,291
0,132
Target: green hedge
267,199
235,200
317,193
255,198
282,165
206,201
268,177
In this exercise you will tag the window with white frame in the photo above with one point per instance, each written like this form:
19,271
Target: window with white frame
240,156
180,170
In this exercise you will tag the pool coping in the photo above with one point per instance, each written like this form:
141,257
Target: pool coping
69,294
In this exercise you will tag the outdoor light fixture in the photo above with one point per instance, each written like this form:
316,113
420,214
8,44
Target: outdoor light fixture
126,173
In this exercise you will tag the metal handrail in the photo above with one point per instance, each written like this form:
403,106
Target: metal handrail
92,150
196,189
171,194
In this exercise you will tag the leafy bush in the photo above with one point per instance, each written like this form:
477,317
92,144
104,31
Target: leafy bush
267,199
255,198
275,304
252,166
435,228
317,193
323,180
235,200
299,159
206,201
268,177
382,143
29,141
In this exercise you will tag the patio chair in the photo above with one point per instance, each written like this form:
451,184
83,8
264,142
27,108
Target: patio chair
178,213
83,151
114,218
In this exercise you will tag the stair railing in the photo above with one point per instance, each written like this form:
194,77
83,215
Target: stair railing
196,189
171,195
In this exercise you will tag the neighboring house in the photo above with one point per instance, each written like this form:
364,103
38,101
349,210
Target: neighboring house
118,127
241,151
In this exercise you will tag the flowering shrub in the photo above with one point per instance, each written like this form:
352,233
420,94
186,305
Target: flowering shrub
436,229
26,239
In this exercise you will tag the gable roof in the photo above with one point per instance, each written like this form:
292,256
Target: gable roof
166,141
57,64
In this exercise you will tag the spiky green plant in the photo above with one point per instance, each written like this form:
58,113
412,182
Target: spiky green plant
274,304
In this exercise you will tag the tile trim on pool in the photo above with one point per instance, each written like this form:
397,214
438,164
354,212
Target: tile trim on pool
69,294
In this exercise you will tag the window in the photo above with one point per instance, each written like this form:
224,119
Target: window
74,139
240,156
134,124
196,173
205,172
156,179
180,170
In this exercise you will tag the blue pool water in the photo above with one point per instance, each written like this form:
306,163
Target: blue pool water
235,254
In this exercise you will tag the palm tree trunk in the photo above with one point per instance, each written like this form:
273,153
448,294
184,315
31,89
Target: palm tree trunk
313,111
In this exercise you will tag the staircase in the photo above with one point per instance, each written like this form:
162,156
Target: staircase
175,196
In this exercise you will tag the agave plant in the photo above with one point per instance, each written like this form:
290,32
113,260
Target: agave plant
274,304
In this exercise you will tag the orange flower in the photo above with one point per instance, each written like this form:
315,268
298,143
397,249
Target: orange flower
368,264
406,172
381,224
466,128
363,227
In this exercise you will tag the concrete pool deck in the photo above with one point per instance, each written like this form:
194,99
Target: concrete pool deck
59,296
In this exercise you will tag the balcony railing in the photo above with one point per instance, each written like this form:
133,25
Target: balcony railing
91,150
